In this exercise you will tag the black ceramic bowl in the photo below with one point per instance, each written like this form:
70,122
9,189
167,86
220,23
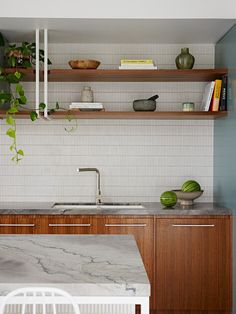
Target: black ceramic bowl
144,105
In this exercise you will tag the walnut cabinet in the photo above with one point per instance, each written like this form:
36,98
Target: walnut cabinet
188,260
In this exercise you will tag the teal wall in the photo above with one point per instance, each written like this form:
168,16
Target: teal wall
225,129
225,138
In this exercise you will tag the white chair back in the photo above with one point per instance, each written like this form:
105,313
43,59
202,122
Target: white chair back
41,300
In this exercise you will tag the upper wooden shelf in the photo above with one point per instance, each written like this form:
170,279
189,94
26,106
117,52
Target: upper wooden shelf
156,115
70,75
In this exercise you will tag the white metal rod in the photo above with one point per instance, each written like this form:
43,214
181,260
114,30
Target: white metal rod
125,225
37,71
46,72
193,225
69,225
17,225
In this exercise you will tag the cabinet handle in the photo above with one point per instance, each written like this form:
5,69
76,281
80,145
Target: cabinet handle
17,225
125,225
69,225
210,226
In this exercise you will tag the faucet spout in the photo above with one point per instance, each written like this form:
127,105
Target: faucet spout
98,193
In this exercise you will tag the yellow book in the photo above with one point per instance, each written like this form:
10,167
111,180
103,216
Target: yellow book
134,61
216,96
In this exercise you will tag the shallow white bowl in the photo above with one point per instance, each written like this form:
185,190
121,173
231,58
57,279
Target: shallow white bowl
187,198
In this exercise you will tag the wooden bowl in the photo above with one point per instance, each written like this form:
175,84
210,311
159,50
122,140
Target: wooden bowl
84,64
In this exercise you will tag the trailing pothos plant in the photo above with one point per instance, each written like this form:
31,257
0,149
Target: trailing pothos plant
16,99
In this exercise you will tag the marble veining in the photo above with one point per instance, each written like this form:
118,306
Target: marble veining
99,265
153,209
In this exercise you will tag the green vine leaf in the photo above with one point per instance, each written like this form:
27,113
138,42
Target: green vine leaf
11,133
71,118
33,115
12,79
10,120
19,89
13,110
6,97
20,152
42,106
22,100
17,75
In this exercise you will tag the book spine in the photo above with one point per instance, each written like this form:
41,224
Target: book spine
223,99
134,67
209,97
216,95
148,61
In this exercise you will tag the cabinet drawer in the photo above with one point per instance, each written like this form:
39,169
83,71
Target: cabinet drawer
68,225
13,224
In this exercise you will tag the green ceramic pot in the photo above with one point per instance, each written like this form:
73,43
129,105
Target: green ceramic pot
184,60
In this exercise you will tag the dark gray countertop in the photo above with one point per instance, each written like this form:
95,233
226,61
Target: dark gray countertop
150,209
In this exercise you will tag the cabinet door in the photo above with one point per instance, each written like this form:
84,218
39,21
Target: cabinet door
193,264
143,231
67,225
17,224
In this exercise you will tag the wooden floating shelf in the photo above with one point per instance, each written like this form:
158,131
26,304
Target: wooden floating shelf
157,115
74,75
173,115
19,115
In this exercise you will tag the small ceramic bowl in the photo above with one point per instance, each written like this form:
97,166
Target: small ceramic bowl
187,198
84,64
144,105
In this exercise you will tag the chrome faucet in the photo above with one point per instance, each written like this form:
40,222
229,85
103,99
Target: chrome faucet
98,193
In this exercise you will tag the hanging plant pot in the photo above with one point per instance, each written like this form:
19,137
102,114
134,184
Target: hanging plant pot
17,59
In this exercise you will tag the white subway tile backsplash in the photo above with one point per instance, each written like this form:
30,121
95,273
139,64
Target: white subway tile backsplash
138,159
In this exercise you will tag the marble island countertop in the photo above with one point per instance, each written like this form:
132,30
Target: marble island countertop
83,265
152,209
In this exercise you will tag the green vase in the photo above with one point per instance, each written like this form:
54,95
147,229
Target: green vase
184,60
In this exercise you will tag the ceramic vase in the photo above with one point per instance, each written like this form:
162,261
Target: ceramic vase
87,94
184,60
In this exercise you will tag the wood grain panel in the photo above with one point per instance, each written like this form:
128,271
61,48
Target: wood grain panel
17,224
193,264
116,75
165,75
143,231
70,224
157,115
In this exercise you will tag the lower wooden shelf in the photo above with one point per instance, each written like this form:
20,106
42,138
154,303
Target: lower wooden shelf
165,115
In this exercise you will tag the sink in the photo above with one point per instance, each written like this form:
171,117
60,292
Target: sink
95,206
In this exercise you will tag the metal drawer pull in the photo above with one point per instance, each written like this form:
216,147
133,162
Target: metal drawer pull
17,225
69,225
193,226
125,225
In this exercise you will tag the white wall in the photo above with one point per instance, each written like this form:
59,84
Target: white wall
119,9
138,159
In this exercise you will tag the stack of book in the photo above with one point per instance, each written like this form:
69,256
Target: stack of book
86,106
215,96
126,64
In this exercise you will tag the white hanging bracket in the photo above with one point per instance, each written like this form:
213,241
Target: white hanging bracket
37,71
45,85
37,74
